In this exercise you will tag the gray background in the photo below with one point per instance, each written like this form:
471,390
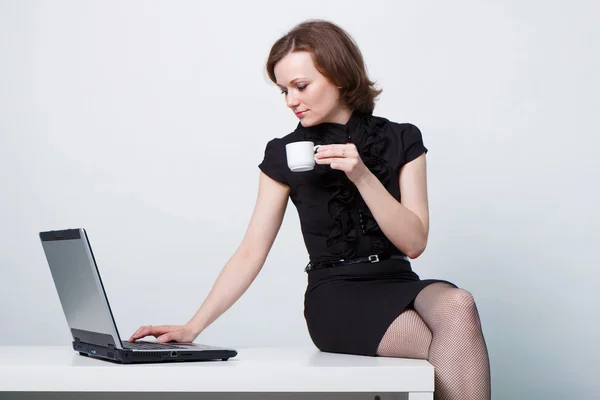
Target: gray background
144,122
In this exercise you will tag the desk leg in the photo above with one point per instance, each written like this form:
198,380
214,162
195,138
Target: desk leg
420,396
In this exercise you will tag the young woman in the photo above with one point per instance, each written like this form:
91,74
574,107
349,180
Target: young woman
364,215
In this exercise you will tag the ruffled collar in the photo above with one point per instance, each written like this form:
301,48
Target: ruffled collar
335,132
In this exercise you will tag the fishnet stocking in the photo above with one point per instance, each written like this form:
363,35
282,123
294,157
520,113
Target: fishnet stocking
457,347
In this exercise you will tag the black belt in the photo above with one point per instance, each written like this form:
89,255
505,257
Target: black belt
373,258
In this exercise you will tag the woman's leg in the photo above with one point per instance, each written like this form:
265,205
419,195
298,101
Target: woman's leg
406,337
458,350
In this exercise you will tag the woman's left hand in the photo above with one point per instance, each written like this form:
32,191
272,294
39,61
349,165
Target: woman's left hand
343,157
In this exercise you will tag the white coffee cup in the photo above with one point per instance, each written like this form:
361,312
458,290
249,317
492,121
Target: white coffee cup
301,155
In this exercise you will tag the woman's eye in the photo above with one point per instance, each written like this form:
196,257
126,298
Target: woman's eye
299,87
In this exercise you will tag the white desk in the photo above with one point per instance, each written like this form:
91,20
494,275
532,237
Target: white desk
264,370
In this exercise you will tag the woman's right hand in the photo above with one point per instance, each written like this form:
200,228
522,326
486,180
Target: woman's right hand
166,333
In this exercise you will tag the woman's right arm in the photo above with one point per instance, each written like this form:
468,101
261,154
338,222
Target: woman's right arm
245,264
240,270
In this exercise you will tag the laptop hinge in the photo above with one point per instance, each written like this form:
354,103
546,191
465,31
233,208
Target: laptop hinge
94,338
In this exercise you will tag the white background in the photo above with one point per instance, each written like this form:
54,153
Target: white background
144,122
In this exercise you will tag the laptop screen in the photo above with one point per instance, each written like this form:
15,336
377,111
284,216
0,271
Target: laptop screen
78,282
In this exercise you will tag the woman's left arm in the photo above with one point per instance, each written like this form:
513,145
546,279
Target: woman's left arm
405,223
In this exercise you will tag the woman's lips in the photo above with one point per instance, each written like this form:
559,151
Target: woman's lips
300,114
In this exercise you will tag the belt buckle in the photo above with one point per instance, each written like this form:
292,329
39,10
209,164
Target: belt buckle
373,258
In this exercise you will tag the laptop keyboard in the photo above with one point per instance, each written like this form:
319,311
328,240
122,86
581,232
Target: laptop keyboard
148,346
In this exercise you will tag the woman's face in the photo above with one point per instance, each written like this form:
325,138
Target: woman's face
307,92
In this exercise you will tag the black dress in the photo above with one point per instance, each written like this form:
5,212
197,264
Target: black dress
348,308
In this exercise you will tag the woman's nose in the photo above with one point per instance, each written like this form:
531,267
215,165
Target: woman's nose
292,101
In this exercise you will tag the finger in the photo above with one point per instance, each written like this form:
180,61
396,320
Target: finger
325,147
137,334
148,330
344,164
134,333
340,167
332,160
343,152
141,328
156,331
324,153
164,338
345,160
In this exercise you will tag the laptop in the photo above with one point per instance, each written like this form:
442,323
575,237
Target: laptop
88,313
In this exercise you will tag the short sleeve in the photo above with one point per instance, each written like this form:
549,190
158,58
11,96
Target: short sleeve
274,162
413,143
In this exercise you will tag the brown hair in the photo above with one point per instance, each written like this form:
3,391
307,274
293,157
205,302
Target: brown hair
336,57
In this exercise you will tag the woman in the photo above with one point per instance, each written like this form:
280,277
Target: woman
364,214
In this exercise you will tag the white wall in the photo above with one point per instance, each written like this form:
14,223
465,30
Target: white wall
143,122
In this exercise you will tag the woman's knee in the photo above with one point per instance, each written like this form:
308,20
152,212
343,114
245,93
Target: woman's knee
462,307
442,304
462,299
